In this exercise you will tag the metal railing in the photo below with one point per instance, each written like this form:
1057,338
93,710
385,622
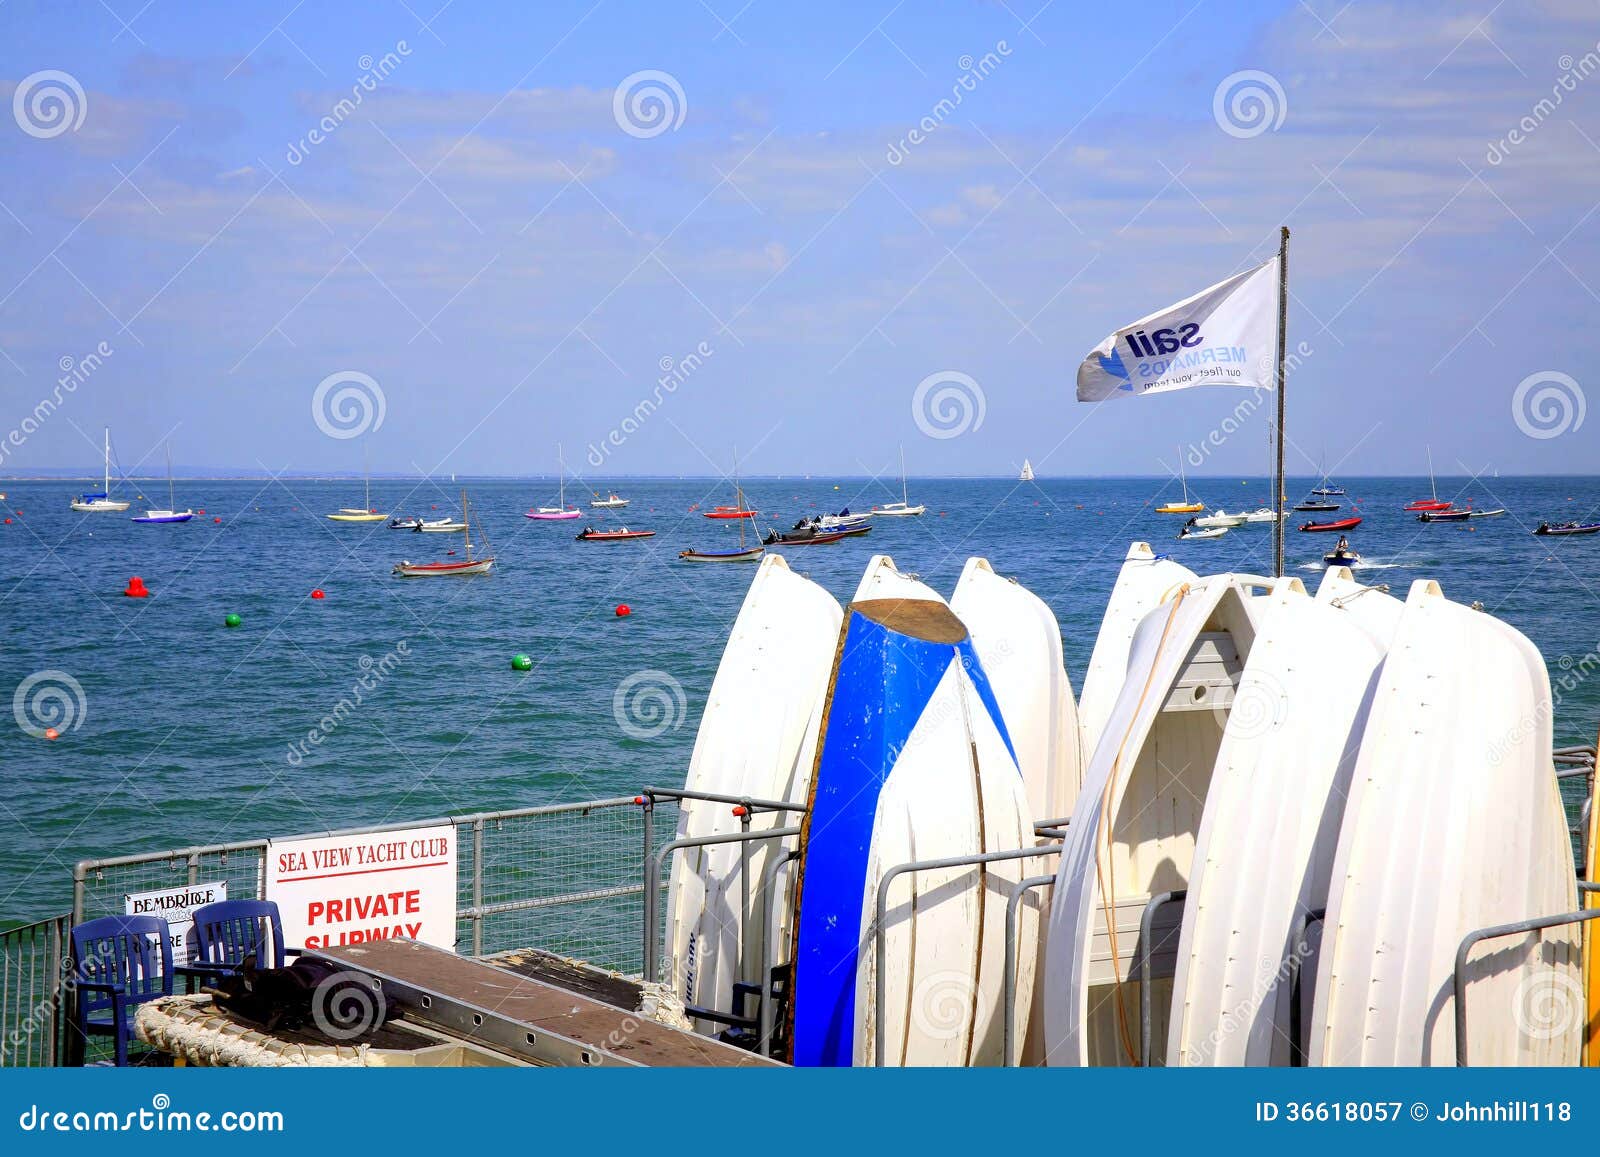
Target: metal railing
34,963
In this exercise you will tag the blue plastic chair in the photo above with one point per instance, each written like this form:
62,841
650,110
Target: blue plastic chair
119,963
229,932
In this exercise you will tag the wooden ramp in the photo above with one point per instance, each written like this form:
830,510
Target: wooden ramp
525,1017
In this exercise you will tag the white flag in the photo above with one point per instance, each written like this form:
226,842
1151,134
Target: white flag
1223,336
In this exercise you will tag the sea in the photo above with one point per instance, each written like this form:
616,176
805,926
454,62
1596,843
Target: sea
389,700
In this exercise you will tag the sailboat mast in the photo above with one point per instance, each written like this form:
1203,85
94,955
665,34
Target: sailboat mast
561,478
171,505
1283,338
1433,487
905,493
466,524
366,474
106,485
1183,478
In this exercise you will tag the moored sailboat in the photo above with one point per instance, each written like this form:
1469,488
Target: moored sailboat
453,568
903,508
1187,506
100,502
169,514
560,510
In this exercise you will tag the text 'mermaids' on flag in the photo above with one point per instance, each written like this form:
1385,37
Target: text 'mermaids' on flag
1223,336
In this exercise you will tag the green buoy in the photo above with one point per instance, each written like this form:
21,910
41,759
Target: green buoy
232,620
521,663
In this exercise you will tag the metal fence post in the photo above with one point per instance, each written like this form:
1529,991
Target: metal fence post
477,887
652,875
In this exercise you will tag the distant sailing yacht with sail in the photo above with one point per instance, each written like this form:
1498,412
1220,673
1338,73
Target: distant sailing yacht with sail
101,502
903,508
1027,472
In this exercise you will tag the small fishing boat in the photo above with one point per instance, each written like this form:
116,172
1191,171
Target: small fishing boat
169,514
1202,531
1186,506
456,568
611,501
903,508
841,521
404,523
1220,518
363,513
1434,503
1450,514
1318,507
738,509
746,554
590,534
101,502
560,511
1327,490
1565,528
743,554
804,537
1338,524
1495,513
439,526
1027,472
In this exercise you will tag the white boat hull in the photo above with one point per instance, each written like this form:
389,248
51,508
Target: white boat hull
1267,836
1133,831
757,739
1453,824
1142,584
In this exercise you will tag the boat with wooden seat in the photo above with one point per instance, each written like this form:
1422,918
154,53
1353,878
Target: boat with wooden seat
622,534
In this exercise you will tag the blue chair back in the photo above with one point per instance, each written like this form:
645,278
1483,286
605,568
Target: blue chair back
229,931
132,951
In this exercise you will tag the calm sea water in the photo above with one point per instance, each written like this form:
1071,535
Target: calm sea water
185,728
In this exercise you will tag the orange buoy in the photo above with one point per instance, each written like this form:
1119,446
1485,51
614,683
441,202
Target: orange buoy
51,733
136,588
317,594
217,520
623,610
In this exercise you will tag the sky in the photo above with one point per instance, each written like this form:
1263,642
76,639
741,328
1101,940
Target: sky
447,239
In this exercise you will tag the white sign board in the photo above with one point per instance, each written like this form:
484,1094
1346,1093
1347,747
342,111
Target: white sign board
333,890
177,906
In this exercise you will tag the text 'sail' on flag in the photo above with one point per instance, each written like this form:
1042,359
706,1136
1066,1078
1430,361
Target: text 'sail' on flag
1223,336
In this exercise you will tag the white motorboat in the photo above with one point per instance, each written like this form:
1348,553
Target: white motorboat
101,502
1197,531
1219,518
1261,514
611,501
439,526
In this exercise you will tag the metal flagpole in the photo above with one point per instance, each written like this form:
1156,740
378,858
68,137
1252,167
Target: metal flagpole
1283,332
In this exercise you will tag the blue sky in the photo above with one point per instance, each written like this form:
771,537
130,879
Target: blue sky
509,267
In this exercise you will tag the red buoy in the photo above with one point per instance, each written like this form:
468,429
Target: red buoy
317,594
217,520
136,588
51,733
623,610
8,522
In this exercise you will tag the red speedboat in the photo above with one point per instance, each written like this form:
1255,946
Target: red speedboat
730,512
1341,524
590,534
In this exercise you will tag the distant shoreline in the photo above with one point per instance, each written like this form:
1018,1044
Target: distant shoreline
612,481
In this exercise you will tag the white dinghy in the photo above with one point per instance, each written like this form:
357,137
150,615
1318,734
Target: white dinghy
1018,640
1270,826
1454,824
913,763
1133,831
757,739
1144,581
